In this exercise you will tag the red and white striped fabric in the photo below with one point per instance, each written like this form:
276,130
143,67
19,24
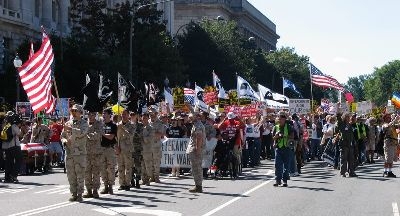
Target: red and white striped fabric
35,77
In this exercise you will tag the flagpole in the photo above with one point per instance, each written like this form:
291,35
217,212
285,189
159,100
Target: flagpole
311,89
283,85
237,90
58,99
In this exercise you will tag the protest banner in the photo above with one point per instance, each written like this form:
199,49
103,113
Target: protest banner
210,96
62,108
179,99
299,106
174,153
364,107
24,109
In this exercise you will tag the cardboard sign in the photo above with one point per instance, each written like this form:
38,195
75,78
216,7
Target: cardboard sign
247,111
179,99
24,109
174,153
299,106
233,97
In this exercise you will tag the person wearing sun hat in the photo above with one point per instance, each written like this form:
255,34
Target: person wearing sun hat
74,136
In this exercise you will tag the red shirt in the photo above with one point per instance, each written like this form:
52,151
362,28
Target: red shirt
56,130
232,128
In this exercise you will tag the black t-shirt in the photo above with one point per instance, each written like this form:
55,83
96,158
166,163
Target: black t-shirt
109,128
175,132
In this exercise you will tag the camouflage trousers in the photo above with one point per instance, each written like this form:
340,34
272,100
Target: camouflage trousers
92,173
137,165
108,166
156,161
197,170
125,164
76,166
147,166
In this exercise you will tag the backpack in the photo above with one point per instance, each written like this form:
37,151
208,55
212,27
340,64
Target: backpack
6,133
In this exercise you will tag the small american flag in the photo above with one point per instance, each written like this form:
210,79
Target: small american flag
189,95
322,80
36,77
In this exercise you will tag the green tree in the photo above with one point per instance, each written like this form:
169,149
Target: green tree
383,82
355,85
215,45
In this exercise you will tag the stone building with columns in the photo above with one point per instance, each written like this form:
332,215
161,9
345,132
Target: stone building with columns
21,19
251,21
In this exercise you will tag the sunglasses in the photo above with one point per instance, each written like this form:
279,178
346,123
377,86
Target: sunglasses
74,110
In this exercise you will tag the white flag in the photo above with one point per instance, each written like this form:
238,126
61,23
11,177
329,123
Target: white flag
199,102
272,99
245,90
84,96
169,99
218,85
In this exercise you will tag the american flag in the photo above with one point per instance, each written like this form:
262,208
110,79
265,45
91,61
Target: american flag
189,95
322,80
36,78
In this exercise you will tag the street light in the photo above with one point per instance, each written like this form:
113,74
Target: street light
131,34
17,64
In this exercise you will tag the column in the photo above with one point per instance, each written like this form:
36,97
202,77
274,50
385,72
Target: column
63,10
46,13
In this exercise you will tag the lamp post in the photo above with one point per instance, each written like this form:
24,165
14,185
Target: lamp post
131,34
17,64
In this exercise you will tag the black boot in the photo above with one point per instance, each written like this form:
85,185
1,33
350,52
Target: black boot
137,184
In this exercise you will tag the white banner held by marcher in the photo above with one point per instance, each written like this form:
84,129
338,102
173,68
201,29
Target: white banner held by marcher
299,106
364,107
174,153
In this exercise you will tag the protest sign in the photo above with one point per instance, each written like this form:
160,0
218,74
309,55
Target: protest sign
24,109
179,99
299,106
364,107
210,96
174,153
62,108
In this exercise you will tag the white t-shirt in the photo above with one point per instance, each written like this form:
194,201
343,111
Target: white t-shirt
208,152
328,130
267,128
252,131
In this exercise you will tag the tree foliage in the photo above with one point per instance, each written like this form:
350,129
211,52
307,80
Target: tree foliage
385,80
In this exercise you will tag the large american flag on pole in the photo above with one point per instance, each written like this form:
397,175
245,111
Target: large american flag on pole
323,80
36,78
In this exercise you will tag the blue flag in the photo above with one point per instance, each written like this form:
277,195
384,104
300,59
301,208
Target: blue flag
290,85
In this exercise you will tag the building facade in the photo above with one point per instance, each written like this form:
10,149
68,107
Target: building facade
251,21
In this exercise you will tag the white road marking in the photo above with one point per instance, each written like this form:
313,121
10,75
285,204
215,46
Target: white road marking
119,210
239,197
395,209
56,188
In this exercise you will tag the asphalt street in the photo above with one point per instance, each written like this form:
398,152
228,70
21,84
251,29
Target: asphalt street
318,191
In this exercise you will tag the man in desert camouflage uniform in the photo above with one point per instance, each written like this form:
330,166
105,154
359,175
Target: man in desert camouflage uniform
147,165
40,133
137,153
93,148
158,132
195,151
74,136
125,150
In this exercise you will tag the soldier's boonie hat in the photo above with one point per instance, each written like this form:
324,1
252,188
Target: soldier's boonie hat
282,114
77,107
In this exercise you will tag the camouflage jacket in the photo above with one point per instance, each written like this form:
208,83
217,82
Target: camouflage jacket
75,138
125,136
94,134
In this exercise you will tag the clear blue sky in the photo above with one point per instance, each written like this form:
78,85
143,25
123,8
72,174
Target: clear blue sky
343,38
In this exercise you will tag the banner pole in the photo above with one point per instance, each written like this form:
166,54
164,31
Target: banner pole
58,100
311,90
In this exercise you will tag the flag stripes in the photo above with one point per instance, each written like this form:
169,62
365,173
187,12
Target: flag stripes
36,79
322,80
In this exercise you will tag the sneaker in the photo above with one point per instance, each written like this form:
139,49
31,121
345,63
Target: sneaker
73,198
196,189
277,183
391,175
295,174
343,175
121,187
172,175
385,174
353,175
284,184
